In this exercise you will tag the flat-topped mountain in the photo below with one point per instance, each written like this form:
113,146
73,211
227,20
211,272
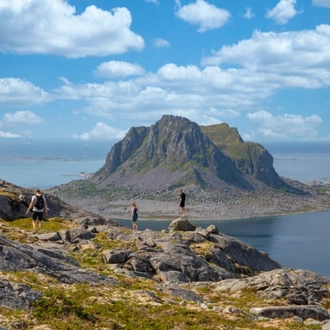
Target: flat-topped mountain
176,152
223,176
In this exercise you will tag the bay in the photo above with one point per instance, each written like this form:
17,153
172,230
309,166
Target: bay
299,241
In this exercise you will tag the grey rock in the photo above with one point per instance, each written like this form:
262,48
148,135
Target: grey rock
20,257
213,229
116,256
16,296
326,326
181,225
173,276
203,232
281,283
49,237
183,293
80,233
244,254
304,312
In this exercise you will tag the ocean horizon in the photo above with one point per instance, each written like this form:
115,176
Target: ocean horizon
45,163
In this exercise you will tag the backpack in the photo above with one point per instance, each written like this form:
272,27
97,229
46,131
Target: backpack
40,202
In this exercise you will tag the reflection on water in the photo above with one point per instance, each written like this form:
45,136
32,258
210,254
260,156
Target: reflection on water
295,241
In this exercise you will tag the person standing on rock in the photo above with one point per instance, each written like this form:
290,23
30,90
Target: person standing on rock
38,206
134,216
182,203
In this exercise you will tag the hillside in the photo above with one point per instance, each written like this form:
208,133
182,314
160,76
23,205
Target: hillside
223,176
176,152
88,272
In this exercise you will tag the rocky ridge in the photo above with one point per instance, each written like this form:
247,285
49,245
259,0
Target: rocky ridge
183,268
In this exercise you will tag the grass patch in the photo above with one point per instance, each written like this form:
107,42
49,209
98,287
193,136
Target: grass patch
50,225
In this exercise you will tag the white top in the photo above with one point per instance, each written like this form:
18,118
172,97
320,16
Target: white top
34,200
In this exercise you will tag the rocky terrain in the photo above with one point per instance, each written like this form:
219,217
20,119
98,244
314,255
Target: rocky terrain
202,206
85,271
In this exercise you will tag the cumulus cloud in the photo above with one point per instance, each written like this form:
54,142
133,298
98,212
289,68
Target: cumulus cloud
249,14
21,118
322,3
8,135
290,59
202,13
102,131
14,91
118,69
283,11
254,70
53,27
287,126
160,43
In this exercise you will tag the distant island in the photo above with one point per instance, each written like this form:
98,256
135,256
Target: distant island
223,176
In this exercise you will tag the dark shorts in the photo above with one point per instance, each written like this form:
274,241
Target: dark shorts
181,204
37,215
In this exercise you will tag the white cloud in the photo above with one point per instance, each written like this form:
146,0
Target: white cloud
102,131
202,13
249,14
160,43
21,118
322,3
153,1
287,126
53,27
14,91
118,69
283,11
8,135
288,59
254,70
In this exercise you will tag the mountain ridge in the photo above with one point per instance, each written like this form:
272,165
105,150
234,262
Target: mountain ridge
200,156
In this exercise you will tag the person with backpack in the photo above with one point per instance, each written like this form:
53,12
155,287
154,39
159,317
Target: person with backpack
38,206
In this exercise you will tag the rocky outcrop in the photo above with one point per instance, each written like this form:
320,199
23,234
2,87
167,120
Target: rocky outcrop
252,158
183,263
16,296
177,152
20,257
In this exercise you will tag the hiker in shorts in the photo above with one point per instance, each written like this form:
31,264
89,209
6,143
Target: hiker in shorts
134,216
182,203
38,206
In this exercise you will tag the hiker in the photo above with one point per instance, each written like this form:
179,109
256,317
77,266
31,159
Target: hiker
38,206
134,216
182,203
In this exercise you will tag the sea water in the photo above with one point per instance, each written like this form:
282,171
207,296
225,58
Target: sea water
297,241
45,163
38,163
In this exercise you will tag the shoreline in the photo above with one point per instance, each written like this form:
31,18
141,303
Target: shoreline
169,218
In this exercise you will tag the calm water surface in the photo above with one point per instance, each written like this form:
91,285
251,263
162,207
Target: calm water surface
298,241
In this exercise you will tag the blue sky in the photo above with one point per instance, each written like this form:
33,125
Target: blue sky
91,69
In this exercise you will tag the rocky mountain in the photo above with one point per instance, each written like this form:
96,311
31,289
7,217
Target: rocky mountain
175,152
251,158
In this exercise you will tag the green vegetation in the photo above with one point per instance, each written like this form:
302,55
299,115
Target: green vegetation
49,225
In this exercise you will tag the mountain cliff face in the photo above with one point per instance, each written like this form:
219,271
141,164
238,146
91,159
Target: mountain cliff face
175,152
252,158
